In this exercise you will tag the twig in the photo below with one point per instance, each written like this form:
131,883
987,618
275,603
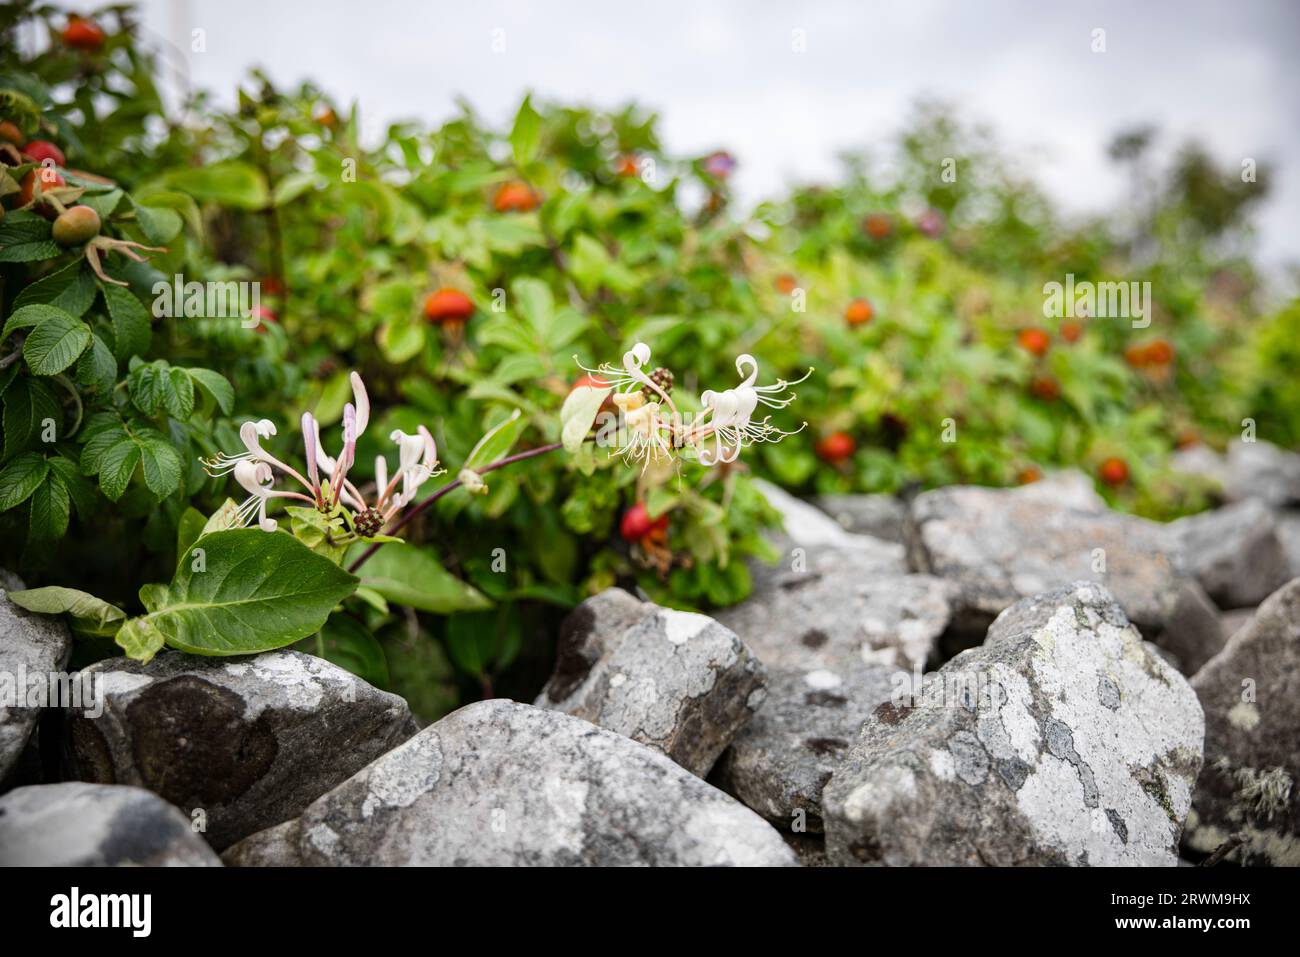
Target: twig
451,487
1233,842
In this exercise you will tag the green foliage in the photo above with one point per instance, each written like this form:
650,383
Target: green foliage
109,403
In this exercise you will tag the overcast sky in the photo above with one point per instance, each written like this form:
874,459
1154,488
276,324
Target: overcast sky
724,74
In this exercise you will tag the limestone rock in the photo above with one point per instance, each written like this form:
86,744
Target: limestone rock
250,741
75,824
1061,740
500,783
997,546
1234,552
1251,695
880,516
275,847
783,758
676,681
32,647
1262,470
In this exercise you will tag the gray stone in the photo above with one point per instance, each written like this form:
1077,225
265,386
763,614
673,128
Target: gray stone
808,528
96,825
783,758
250,741
1061,740
832,608
1251,695
501,783
1193,632
1288,532
1201,461
996,546
1262,470
810,849
275,847
32,647
1068,488
1231,622
1234,552
880,516
676,681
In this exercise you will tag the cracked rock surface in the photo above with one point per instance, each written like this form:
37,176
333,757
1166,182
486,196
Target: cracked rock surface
783,758
1251,695
31,645
1061,740
997,546
676,681
503,783
75,824
250,741
834,610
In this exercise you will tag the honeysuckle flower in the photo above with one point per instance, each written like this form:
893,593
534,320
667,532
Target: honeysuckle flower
655,429
326,484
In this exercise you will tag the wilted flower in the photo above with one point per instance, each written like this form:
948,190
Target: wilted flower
326,484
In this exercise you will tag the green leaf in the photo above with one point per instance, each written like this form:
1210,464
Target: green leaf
131,329
116,467
189,530
140,639
90,615
223,518
159,225
349,644
578,413
20,478
412,576
51,507
216,385
56,343
252,591
230,184
30,316
498,441
103,203
97,369
25,237
178,394
29,402
161,466
526,133
83,496
71,289
293,186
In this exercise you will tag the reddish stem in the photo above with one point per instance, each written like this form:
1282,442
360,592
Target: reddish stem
451,487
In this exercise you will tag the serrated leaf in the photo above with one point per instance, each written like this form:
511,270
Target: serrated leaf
161,466
178,394
255,591
131,329
83,496
90,615
29,402
160,226
20,478
116,466
216,385
56,343
71,289
51,508
97,369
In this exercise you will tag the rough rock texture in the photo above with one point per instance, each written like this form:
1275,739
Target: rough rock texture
997,546
1231,622
1251,695
1202,462
780,762
1234,552
1193,632
880,516
810,849
502,783
1288,532
1062,740
808,528
275,847
833,608
1262,470
96,825
31,646
676,681
1068,488
251,741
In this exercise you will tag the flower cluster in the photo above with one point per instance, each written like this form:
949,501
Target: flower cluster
654,429
326,486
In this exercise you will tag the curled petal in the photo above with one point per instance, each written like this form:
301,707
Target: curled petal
311,447
381,473
363,402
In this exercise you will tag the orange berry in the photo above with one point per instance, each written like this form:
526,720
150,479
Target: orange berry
1114,471
836,448
448,305
514,197
1071,331
859,312
1029,475
786,283
82,34
1034,341
878,225
1045,388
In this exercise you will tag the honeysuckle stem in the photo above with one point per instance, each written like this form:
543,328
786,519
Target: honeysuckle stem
451,487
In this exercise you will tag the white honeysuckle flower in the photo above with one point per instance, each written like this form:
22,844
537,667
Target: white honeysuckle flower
257,479
733,411
417,462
